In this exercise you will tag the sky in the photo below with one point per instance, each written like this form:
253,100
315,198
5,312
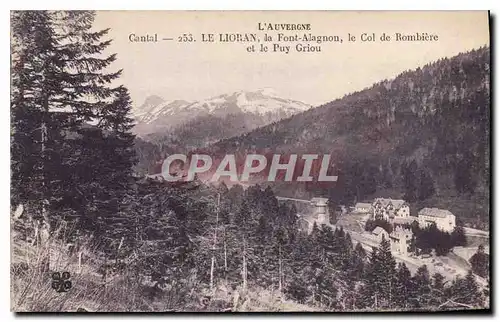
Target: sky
199,70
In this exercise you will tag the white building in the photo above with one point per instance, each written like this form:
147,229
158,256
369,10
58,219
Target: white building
317,213
380,233
400,240
389,208
443,219
320,210
363,207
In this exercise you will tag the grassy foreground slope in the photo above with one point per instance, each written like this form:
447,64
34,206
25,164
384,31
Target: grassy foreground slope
126,291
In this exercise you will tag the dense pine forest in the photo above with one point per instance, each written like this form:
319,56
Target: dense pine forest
136,244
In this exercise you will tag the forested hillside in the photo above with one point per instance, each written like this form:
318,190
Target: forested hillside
423,136
199,248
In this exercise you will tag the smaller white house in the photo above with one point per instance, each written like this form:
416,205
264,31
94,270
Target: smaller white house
380,233
320,210
363,207
443,219
317,212
400,240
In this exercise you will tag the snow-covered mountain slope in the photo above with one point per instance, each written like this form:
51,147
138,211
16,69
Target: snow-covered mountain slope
157,115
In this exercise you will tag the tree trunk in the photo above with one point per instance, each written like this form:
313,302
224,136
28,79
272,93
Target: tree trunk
225,253
212,266
244,273
280,270
212,272
390,293
45,228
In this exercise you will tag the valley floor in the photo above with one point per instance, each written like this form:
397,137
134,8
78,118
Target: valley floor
454,264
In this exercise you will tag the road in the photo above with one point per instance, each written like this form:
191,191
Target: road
293,199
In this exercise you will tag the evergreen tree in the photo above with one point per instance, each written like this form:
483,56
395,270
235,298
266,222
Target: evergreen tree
302,258
94,100
242,217
269,203
431,238
466,291
368,296
346,252
438,295
59,83
458,236
403,288
464,181
380,284
173,262
368,183
426,187
264,230
325,294
357,265
387,274
443,243
410,181
37,71
421,297
387,176
480,262
329,245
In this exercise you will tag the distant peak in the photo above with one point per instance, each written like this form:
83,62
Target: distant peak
178,102
153,100
267,91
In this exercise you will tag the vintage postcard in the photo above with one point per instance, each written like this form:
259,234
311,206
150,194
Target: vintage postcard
250,161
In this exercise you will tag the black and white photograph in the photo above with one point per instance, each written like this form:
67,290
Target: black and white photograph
250,161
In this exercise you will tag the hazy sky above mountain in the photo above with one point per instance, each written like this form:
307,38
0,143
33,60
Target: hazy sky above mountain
193,71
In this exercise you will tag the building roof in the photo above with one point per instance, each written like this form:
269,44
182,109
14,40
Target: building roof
319,199
397,203
404,220
435,212
399,233
378,230
363,205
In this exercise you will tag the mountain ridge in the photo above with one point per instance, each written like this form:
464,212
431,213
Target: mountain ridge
157,115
